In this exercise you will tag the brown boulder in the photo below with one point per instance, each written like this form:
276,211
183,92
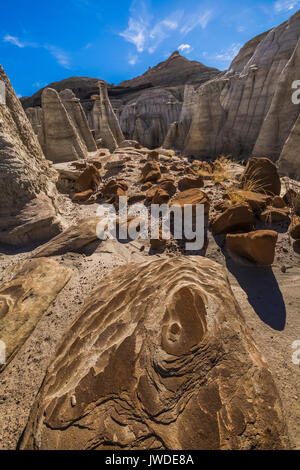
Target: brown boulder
89,179
261,176
278,202
188,183
193,197
150,172
234,219
294,229
258,246
256,201
274,215
83,196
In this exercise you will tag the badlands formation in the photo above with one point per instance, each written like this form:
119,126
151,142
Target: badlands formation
141,344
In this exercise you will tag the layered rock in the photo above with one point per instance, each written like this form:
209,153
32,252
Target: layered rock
79,119
29,201
159,358
249,109
106,124
62,142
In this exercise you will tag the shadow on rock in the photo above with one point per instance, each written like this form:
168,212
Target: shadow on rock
263,292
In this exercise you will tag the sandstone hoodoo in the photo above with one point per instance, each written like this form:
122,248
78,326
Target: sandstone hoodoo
191,364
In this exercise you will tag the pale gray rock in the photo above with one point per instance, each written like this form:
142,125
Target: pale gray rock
62,141
79,119
105,122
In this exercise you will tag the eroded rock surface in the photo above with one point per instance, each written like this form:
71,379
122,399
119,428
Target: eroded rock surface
159,358
29,200
25,298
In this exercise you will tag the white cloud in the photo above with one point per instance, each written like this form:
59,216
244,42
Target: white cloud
192,21
13,40
132,60
60,56
136,33
185,48
286,5
227,55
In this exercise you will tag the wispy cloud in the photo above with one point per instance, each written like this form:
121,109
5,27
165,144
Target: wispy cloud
286,5
136,33
60,56
187,48
192,21
13,40
227,55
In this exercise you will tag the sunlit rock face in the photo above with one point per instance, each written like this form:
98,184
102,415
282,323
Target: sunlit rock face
159,358
29,200
249,109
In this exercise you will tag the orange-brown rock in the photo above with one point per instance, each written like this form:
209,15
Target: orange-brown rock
234,219
114,188
189,182
278,202
256,201
83,196
160,196
274,215
89,179
294,229
262,175
146,186
192,197
150,172
159,358
135,198
258,246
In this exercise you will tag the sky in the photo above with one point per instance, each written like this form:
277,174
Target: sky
46,41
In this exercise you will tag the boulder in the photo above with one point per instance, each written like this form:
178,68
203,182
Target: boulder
89,179
150,172
25,298
160,357
256,201
258,246
274,215
236,218
261,174
192,197
294,229
71,240
188,183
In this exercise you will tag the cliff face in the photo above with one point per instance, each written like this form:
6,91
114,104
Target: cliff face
249,109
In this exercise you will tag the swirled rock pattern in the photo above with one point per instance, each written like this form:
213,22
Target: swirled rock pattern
159,358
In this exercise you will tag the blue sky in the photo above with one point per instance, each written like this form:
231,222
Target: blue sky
42,41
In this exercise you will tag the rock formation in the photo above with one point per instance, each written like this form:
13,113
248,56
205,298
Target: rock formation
159,358
249,108
145,105
62,142
106,124
25,298
29,201
79,119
